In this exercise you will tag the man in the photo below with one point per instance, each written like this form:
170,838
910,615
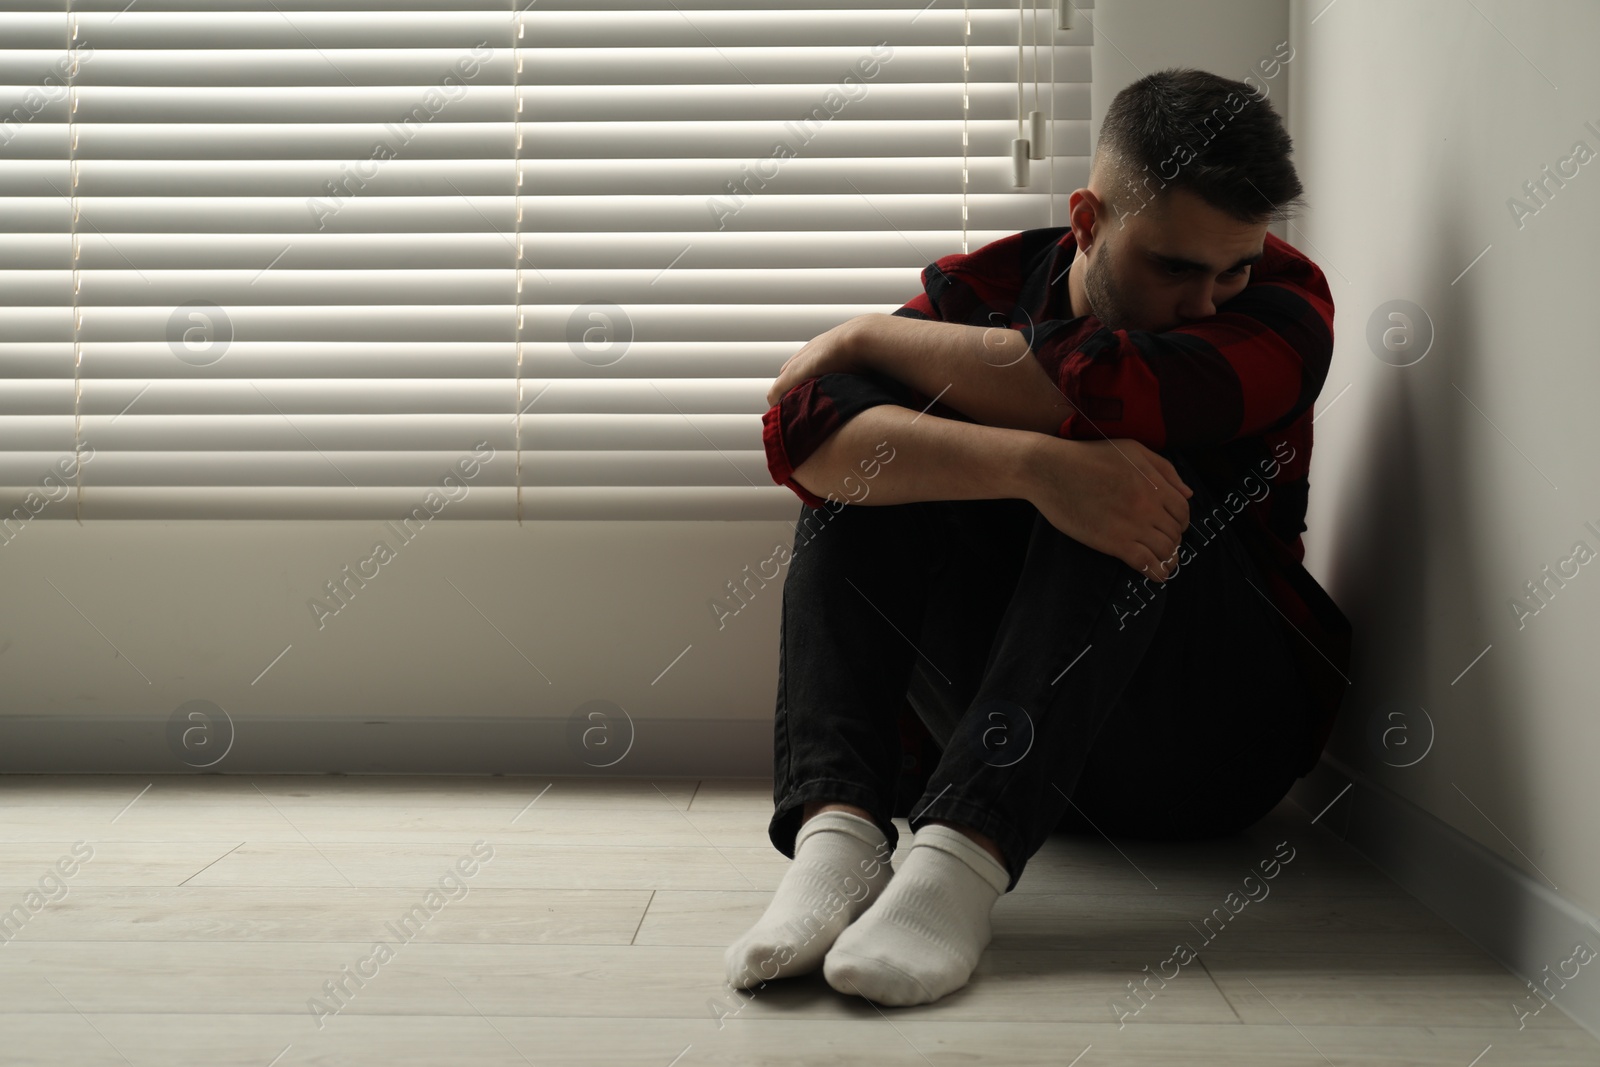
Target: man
999,482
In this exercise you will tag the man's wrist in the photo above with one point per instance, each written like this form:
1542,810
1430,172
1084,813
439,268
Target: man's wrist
1022,473
857,342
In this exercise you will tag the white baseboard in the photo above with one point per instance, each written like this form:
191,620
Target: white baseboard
1519,921
577,745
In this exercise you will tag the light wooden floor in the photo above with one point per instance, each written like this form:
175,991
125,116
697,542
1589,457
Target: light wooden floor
214,909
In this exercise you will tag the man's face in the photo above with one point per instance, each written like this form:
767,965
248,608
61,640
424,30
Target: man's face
1173,263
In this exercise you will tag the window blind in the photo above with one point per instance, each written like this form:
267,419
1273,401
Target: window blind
288,259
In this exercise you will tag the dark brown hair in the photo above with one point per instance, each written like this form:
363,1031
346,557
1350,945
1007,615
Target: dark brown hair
1191,129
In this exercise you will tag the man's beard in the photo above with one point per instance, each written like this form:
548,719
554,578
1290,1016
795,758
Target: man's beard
1106,301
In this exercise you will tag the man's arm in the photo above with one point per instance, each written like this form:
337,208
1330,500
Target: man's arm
889,454
986,373
1116,497
1256,365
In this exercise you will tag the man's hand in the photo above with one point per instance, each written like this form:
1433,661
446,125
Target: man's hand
832,352
1116,496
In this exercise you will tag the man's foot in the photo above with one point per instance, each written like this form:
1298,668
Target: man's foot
841,865
924,935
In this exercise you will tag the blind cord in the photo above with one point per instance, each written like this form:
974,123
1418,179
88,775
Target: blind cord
77,264
516,166
966,70
1021,16
1022,146
1051,146
1035,36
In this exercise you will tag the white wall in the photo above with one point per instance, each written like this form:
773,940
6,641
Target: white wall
484,637
1440,488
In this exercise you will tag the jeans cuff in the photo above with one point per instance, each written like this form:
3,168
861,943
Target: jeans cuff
790,812
982,819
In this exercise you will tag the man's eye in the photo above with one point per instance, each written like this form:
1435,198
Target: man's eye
1176,271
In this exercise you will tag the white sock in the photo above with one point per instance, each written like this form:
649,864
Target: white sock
923,936
841,865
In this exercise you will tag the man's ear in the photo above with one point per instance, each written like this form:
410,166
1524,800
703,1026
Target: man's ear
1084,211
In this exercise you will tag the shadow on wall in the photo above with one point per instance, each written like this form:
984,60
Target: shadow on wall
1408,550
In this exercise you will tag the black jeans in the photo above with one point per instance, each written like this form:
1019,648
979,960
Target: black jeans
1066,691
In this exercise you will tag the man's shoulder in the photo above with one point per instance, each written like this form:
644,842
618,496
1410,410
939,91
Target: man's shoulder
1008,257
1284,270
1282,261
996,275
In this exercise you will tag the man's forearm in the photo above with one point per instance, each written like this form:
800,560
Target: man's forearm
889,454
987,374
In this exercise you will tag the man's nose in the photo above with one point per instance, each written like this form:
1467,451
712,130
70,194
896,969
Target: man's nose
1197,303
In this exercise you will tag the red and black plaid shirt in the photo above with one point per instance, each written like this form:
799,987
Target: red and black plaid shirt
1234,392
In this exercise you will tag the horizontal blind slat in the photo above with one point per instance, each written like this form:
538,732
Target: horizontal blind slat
545,466
333,434
704,178
873,247
264,67
149,361
293,217
359,398
283,287
729,502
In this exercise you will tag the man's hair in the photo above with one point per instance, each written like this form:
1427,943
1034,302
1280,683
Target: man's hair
1236,147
